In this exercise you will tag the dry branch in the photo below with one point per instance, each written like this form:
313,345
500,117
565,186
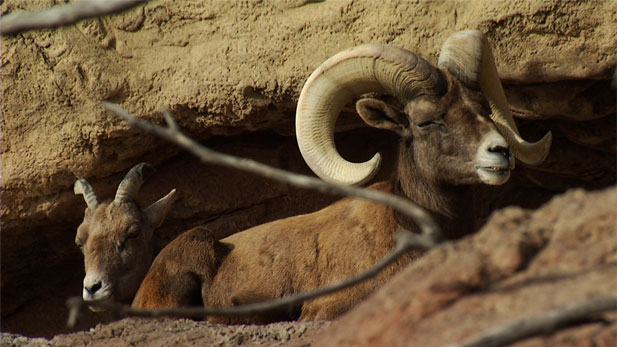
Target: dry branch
56,16
545,323
430,236
405,241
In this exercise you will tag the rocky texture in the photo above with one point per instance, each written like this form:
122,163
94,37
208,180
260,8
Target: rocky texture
522,263
227,68
182,332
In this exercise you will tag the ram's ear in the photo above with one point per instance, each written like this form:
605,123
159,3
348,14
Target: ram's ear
379,114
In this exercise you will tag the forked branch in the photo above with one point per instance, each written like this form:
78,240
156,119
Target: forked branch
430,236
405,240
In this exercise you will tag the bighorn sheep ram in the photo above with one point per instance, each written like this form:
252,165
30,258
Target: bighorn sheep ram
456,132
115,237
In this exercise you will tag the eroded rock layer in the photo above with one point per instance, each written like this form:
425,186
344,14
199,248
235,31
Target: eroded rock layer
231,72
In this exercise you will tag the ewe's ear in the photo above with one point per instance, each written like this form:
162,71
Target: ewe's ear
378,114
155,213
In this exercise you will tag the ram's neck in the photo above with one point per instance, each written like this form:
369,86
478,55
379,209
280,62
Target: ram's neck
452,208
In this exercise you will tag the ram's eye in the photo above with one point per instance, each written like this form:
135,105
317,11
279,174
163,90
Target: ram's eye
428,123
437,124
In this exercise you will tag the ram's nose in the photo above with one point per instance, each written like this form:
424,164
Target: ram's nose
502,148
494,160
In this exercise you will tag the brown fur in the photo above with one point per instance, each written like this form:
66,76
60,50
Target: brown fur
277,259
436,170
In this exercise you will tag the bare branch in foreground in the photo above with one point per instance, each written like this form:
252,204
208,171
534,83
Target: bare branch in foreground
56,16
405,241
545,323
430,233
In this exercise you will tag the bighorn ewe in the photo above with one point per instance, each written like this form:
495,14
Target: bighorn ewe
115,237
456,132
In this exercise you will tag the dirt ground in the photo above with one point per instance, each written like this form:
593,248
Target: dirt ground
167,332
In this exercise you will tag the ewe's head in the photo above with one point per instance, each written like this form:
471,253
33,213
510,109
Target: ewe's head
115,237
454,120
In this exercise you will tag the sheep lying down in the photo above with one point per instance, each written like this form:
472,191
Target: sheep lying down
456,133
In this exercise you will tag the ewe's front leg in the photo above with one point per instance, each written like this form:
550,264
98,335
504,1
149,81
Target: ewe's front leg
178,273
331,306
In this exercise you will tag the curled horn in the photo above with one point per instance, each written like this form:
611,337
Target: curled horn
340,79
130,185
467,55
84,188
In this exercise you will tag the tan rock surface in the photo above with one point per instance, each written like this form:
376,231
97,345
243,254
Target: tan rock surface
227,68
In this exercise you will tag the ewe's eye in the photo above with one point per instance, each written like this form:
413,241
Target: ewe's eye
131,234
80,245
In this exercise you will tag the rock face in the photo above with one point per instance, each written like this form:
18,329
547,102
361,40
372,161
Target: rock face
521,264
231,73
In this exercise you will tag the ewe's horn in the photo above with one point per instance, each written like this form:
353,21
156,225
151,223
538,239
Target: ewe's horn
84,188
129,187
340,79
467,55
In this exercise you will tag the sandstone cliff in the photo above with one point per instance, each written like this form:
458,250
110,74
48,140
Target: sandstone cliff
231,72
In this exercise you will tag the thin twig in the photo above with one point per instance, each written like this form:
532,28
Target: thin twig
405,241
544,323
56,16
169,118
431,234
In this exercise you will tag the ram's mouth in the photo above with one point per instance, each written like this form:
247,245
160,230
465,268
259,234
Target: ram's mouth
495,169
494,175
